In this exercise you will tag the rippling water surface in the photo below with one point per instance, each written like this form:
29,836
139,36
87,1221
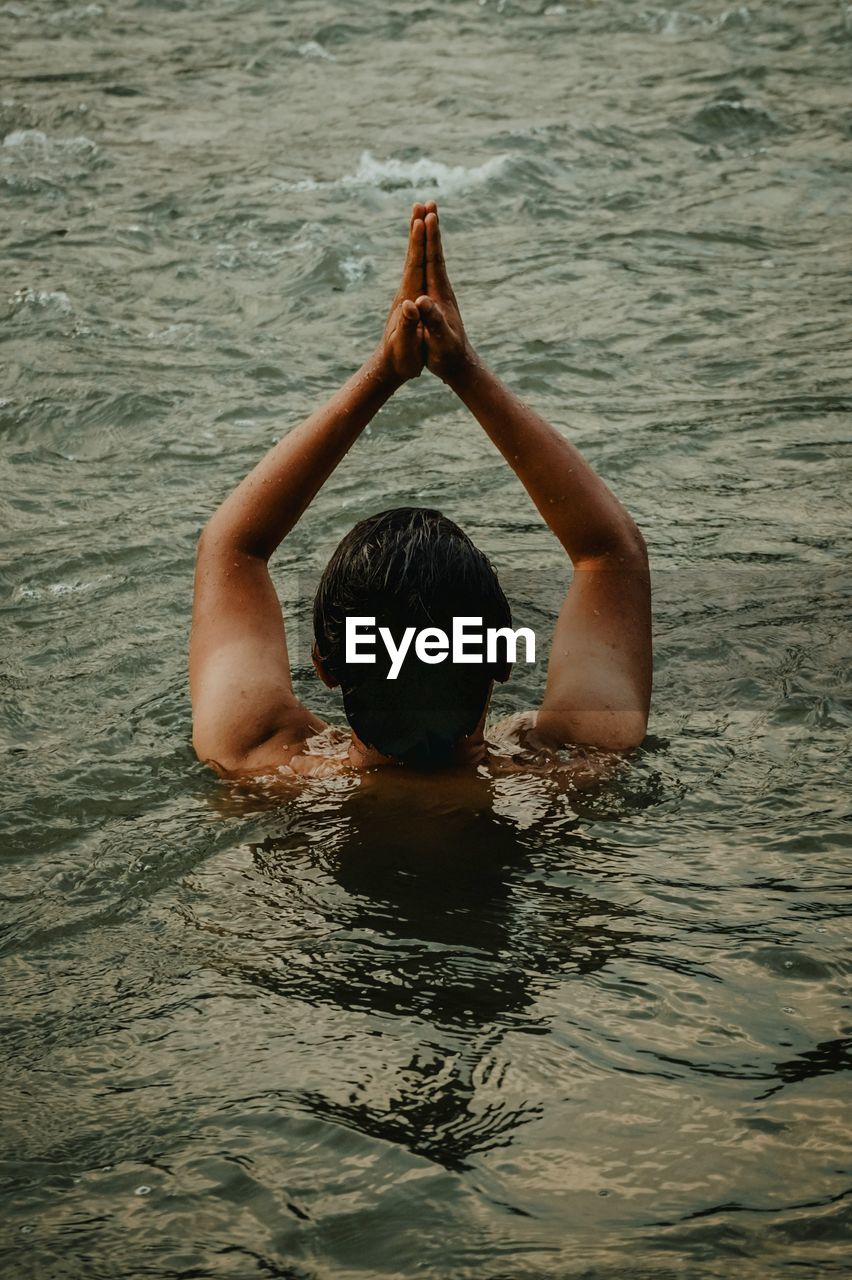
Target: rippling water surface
555,1035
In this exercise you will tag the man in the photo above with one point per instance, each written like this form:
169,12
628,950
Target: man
413,568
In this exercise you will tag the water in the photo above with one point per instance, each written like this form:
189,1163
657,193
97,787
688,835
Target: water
556,1035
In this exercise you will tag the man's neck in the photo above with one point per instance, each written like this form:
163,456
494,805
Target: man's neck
469,751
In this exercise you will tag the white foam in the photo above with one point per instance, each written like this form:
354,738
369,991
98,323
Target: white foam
25,138
173,333
311,49
36,140
54,589
355,269
77,14
423,175
55,299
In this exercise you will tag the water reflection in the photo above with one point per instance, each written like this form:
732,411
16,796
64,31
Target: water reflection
436,914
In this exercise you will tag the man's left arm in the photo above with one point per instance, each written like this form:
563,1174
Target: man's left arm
245,713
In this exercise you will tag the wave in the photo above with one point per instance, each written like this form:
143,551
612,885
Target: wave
313,49
422,175
732,119
54,589
31,160
56,300
34,140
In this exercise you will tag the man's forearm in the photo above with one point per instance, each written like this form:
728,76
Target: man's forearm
587,519
264,507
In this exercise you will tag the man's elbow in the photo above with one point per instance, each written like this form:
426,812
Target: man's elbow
218,537
209,536
213,537
633,544
214,540
619,546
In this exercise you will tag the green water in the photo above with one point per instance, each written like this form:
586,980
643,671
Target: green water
555,1037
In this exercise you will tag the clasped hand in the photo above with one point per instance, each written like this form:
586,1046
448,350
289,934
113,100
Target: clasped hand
424,326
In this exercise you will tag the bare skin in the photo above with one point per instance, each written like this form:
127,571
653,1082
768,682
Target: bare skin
247,720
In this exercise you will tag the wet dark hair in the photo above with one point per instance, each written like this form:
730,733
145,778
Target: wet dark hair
409,566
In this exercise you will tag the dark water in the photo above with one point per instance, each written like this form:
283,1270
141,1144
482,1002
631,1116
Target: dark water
555,1036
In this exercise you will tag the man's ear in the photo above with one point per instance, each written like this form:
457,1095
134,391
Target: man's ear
330,681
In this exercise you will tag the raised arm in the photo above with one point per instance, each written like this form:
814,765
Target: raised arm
599,676
245,713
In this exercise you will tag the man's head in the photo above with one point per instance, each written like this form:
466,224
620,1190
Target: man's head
408,567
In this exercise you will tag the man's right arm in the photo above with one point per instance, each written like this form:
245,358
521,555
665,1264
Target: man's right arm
599,676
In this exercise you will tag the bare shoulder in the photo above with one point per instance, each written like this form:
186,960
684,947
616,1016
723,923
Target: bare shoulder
322,753
516,733
517,745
